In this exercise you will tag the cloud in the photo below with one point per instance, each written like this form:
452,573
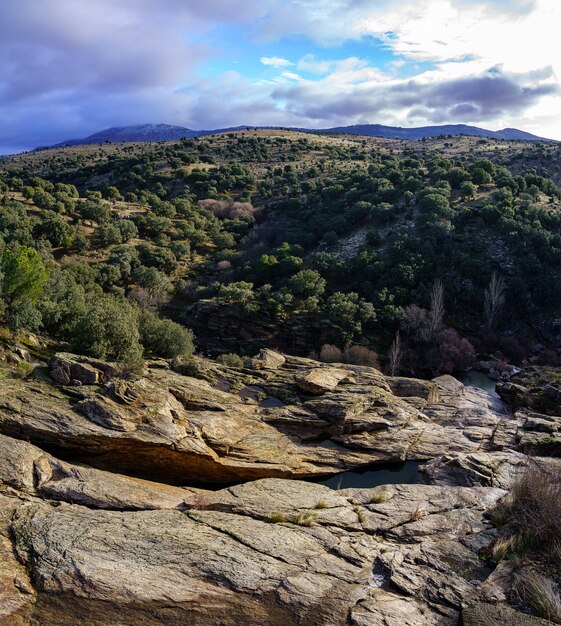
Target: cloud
70,68
276,61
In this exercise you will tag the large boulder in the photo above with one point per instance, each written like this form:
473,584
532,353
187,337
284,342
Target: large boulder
323,379
266,360
70,369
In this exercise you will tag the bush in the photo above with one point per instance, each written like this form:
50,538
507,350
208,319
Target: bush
164,338
330,354
536,505
361,355
230,360
109,329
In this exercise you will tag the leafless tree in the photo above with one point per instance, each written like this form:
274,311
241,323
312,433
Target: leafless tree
494,300
395,355
436,311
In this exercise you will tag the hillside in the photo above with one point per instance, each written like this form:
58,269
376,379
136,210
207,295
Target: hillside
298,241
167,132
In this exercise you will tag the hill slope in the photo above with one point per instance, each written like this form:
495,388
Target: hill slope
167,132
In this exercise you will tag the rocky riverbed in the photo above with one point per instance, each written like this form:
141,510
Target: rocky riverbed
107,516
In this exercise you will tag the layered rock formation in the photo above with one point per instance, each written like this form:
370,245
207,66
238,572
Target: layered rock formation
81,545
84,545
295,418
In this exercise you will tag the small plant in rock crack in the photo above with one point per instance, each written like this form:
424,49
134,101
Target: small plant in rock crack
417,514
359,513
305,518
321,504
377,498
277,518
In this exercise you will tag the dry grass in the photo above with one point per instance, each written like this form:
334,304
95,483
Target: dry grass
306,518
361,515
535,507
417,514
321,504
377,498
539,593
277,518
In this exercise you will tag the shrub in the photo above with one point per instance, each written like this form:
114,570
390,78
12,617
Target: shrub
360,355
330,354
109,329
536,505
164,338
230,359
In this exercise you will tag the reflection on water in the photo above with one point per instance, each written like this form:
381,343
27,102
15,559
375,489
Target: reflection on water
375,475
478,380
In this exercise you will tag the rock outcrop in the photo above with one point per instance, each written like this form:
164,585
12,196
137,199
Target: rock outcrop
219,424
82,546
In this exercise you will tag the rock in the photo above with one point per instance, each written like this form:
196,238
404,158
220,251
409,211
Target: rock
537,388
413,387
267,552
486,614
489,469
183,429
23,354
448,383
266,360
322,379
30,470
67,371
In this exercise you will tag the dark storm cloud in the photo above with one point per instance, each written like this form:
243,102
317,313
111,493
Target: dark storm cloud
464,99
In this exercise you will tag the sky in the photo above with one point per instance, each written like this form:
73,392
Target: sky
69,68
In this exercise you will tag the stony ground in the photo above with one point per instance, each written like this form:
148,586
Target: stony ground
82,544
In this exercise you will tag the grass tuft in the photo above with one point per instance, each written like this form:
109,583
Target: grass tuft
540,593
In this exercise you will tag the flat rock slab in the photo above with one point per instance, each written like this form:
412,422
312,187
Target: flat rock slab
323,379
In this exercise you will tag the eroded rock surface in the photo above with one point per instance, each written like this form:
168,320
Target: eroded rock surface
216,425
266,552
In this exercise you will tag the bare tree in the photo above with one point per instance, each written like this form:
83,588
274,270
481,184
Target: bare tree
436,311
395,355
494,300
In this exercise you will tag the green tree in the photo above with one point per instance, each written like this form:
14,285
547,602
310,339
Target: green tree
23,275
164,338
109,329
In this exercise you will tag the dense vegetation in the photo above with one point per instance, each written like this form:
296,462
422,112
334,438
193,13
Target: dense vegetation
279,238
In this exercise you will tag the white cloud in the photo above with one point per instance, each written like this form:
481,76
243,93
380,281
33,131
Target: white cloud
276,62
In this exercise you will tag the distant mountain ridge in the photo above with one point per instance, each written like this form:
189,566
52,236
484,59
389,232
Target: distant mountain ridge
168,132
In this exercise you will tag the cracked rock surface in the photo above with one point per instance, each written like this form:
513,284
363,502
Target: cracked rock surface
96,546
223,425
87,546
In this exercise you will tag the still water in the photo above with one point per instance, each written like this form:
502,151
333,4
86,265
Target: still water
374,475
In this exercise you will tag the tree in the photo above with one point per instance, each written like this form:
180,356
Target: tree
494,300
23,275
394,356
109,329
164,338
307,284
467,190
436,310
239,295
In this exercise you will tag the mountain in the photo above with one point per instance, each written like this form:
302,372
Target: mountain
397,132
168,132
141,132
